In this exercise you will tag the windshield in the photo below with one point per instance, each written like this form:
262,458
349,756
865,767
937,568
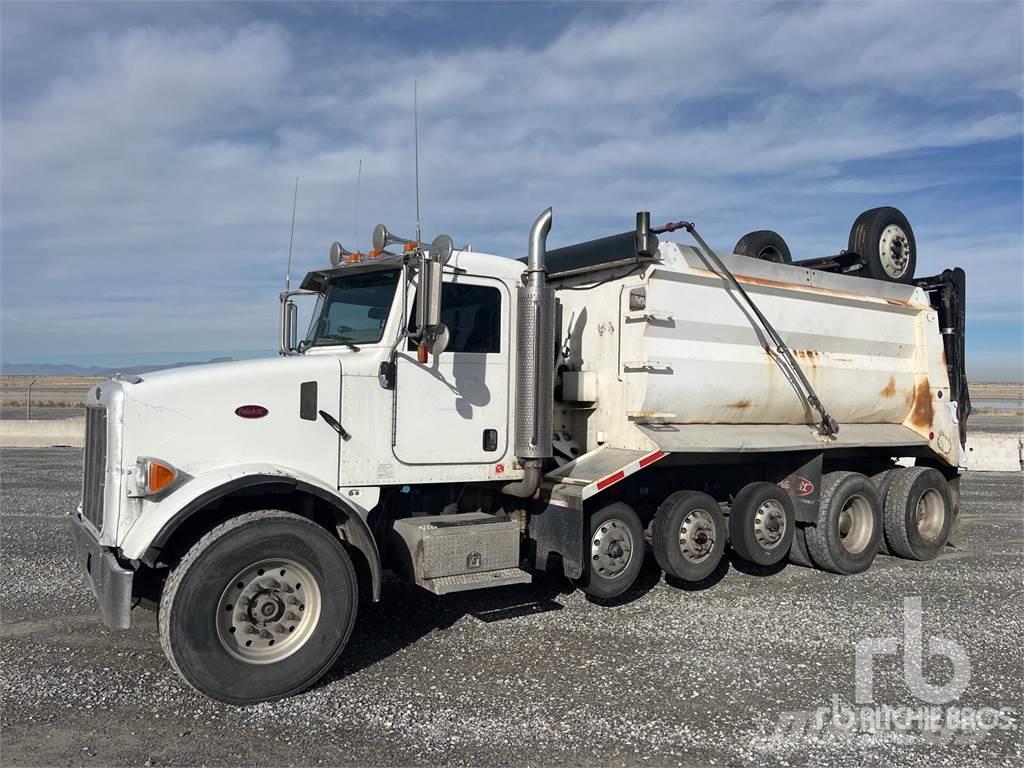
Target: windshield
353,309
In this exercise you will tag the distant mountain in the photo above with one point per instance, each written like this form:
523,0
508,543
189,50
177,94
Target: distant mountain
49,369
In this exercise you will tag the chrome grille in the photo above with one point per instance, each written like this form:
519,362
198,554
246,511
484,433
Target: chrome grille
95,465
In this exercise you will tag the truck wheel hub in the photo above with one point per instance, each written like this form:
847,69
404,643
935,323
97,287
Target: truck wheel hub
856,525
268,611
267,607
611,549
930,515
769,524
697,535
894,250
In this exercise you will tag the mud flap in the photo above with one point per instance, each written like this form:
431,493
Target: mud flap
557,536
803,484
955,532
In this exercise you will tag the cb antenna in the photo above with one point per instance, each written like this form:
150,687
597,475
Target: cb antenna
359,178
416,142
291,238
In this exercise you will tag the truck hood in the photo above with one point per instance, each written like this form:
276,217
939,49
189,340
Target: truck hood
194,417
217,372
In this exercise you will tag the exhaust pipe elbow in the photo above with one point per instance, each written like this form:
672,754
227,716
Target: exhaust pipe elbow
528,486
538,244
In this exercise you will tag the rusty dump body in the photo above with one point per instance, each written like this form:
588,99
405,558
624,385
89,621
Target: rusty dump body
681,366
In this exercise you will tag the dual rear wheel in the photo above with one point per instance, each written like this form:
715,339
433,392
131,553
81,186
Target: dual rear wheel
848,531
906,512
917,512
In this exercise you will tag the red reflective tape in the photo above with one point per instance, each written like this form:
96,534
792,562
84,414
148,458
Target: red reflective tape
651,458
610,480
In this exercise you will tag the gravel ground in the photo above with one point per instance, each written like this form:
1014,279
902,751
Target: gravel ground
522,675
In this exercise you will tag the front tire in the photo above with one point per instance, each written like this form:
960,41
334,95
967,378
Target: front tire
259,609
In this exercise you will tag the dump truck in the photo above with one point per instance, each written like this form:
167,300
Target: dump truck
467,421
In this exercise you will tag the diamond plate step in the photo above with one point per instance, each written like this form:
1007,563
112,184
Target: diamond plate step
482,580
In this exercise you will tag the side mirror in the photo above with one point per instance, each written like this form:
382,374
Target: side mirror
289,327
434,336
428,300
428,304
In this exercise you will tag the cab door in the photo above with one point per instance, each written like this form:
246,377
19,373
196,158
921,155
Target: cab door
454,409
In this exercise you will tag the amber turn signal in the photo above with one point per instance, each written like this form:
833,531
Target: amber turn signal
159,476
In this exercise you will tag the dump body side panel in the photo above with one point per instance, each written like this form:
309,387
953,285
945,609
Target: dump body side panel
672,345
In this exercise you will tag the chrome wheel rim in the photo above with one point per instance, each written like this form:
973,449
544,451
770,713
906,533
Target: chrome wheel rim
697,536
856,524
894,250
268,611
770,524
611,549
930,515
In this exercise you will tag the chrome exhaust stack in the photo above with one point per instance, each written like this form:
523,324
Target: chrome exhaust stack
535,366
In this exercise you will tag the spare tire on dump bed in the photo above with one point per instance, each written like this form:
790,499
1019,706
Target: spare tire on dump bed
765,245
882,237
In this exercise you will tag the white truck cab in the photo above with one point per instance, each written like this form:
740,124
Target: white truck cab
464,420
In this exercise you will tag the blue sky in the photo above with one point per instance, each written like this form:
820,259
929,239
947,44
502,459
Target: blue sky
149,149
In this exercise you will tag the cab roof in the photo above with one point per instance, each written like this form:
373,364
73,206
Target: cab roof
472,262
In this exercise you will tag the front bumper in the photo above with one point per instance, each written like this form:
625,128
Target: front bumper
110,581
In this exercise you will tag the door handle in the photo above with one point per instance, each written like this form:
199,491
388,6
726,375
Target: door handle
335,425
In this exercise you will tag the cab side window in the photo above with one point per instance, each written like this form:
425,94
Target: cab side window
472,314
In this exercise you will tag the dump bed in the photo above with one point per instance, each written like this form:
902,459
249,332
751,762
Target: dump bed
675,362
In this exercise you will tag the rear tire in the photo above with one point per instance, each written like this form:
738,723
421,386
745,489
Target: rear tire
884,240
616,551
764,244
762,523
259,609
918,513
882,481
849,528
798,554
689,535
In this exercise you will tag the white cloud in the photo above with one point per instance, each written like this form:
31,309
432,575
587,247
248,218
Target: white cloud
157,163
138,89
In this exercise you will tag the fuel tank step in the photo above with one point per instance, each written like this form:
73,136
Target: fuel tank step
479,580
451,553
